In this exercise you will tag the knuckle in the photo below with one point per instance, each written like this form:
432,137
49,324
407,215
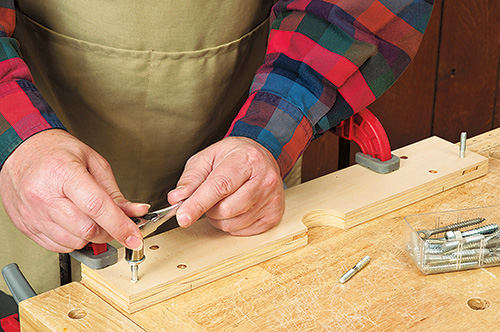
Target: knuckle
60,169
222,185
94,206
192,160
79,244
226,210
88,231
103,163
226,226
35,192
187,179
272,180
254,155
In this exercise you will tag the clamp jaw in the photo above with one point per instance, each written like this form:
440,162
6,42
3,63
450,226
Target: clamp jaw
96,255
367,131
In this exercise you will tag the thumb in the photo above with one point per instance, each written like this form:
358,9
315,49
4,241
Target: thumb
131,209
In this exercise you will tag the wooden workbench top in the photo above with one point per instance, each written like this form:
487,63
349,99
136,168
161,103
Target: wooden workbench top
300,291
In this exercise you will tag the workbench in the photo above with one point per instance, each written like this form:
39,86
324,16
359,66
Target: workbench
300,290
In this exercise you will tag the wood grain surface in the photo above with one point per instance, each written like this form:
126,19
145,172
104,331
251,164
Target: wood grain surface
300,291
177,261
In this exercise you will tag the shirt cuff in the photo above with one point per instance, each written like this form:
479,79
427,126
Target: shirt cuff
276,124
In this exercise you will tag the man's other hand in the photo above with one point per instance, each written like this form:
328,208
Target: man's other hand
236,182
62,194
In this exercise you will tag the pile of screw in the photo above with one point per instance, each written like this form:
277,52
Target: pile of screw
458,250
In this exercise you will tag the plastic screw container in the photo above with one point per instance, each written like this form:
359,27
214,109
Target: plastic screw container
466,248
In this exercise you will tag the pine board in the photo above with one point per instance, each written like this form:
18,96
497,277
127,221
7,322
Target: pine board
72,308
342,199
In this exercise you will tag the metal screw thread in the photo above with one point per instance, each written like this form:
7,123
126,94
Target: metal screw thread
431,246
433,251
450,267
495,236
471,252
456,226
481,230
464,223
449,259
491,260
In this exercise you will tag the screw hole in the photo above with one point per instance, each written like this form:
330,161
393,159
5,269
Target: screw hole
478,304
77,313
403,157
182,266
433,171
154,247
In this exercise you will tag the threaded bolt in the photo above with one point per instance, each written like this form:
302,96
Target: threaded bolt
450,267
491,228
424,234
491,260
467,243
471,252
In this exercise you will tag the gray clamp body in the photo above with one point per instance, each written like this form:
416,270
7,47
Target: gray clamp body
96,262
376,164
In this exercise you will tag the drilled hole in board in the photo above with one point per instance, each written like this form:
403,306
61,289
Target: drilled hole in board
403,157
77,313
154,247
478,304
182,266
433,171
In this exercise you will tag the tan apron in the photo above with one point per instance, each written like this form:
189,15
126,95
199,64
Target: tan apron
145,83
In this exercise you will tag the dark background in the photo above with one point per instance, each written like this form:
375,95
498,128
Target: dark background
452,85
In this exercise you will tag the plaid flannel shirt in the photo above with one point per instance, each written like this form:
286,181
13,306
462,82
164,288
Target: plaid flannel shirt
326,59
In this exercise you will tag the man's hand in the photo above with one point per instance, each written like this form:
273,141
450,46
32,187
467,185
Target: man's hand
236,182
62,194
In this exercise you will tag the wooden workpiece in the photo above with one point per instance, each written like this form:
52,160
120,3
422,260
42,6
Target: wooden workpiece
299,291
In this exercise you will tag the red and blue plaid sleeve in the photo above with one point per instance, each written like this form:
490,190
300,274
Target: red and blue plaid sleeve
326,59
23,111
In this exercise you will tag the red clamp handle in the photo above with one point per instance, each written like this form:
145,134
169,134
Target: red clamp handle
11,323
97,248
366,130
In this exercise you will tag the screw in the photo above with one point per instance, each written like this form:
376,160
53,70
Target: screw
491,260
424,234
481,230
463,140
466,243
471,252
359,265
450,267
458,250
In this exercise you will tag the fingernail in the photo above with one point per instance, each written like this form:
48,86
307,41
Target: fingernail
133,243
183,220
143,204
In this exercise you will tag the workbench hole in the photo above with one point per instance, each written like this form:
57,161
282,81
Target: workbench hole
77,313
154,247
433,171
478,304
403,157
182,266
